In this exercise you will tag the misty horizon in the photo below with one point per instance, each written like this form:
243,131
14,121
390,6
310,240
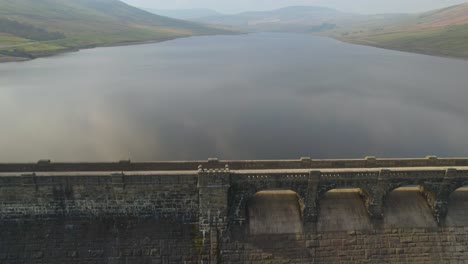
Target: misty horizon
360,6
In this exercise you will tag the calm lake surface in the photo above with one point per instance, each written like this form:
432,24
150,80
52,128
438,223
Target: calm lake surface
258,96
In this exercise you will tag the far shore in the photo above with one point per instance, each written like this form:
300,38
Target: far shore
387,47
5,59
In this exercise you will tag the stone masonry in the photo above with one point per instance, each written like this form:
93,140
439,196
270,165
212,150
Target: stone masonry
196,212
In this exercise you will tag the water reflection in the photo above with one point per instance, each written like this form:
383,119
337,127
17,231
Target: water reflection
256,96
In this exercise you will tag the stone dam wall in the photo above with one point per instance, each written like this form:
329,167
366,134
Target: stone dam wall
294,211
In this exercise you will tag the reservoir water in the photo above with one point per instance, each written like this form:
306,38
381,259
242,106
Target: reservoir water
257,96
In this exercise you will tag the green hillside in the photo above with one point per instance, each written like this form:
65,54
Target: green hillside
12,27
53,26
450,41
441,32
186,14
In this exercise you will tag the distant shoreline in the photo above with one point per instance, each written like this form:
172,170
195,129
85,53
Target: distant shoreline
386,47
5,59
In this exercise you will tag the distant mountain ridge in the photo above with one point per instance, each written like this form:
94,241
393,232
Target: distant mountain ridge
294,11
32,28
86,23
186,14
441,32
293,18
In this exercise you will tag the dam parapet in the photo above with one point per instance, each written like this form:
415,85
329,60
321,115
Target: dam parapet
302,163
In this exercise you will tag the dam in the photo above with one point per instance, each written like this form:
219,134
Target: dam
368,210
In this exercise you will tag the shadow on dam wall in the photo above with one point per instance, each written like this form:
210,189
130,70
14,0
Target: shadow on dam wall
344,232
342,210
458,208
275,225
279,212
405,207
274,212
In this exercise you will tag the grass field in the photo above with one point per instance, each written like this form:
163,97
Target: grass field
9,40
450,41
441,32
87,23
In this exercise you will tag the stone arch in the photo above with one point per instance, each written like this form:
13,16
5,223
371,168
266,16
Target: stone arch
323,189
405,206
452,187
240,193
457,207
343,209
275,212
375,194
372,195
389,187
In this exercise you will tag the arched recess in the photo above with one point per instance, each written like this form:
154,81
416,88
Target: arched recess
375,194
372,196
275,212
457,208
343,210
240,194
405,206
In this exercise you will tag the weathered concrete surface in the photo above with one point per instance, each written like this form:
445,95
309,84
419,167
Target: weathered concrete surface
419,246
406,208
344,233
275,212
343,210
458,208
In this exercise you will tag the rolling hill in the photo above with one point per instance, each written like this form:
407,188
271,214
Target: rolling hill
186,14
293,18
441,32
76,24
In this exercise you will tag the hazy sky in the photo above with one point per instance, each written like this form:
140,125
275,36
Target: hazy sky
360,6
